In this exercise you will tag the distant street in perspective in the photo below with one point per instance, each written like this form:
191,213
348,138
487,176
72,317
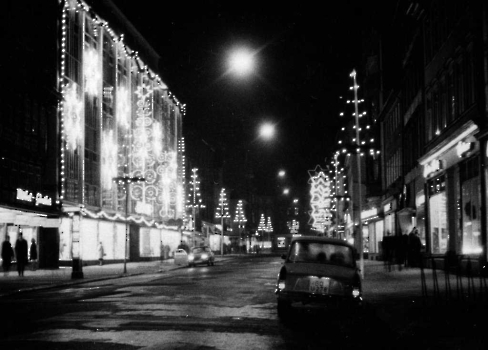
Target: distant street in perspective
228,306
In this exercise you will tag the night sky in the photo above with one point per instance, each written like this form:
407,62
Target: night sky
304,54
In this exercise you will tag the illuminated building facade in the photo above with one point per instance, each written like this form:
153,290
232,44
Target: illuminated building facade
117,119
87,106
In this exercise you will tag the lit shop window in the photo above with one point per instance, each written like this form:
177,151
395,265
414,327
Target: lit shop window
470,208
439,234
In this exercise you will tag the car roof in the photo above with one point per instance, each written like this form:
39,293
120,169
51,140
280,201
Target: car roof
322,240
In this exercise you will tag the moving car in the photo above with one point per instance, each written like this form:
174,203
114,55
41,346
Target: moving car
201,255
318,272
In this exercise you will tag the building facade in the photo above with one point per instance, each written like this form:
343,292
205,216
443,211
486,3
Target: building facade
434,129
107,149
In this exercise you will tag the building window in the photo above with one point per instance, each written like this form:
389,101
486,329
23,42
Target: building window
439,234
470,207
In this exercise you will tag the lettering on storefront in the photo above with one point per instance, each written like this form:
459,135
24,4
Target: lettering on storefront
38,199
432,167
463,148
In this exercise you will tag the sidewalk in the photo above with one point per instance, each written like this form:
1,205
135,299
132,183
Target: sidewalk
44,278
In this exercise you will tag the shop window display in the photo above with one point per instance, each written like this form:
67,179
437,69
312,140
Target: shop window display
439,234
470,208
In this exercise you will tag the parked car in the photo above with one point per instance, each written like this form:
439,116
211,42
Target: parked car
318,271
201,255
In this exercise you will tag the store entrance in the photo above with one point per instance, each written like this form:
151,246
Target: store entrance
48,248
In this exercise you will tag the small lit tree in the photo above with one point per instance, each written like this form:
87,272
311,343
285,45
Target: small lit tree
240,218
262,224
222,212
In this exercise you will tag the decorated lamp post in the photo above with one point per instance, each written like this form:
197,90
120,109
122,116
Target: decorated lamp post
358,163
269,228
222,212
262,226
124,182
240,218
194,200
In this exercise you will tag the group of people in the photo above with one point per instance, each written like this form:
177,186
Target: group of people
22,254
404,250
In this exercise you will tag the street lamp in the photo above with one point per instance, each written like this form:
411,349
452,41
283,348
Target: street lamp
241,62
222,212
240,218
267,131
358,161
125,181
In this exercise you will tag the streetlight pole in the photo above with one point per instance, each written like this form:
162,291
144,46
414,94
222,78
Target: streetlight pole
126,181
358,161
224,213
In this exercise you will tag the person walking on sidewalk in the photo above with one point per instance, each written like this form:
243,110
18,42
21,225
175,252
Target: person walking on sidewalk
21,253
33,254
100,253
7,255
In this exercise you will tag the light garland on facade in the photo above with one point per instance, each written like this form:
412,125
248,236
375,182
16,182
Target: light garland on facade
320,201
71,104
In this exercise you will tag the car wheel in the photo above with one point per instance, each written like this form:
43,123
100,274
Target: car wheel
284,310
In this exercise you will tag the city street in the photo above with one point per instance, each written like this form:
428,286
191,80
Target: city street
231,306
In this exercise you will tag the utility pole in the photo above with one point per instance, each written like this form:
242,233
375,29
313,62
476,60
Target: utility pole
358,162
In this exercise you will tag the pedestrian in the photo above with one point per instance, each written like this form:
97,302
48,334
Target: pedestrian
33,254
21,250
100,253
7,255
414,247
184,246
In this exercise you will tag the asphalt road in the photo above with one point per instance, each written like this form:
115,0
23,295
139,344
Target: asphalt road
227,306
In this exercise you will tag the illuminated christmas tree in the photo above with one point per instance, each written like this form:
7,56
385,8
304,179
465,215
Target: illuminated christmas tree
239,216
262,223
194,201
222,212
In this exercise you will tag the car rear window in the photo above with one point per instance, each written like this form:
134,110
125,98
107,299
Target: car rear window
318,252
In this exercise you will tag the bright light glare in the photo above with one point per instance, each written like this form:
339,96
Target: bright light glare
286,191
242,62
281,173
267,131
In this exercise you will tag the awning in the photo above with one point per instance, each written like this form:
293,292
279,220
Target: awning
24,218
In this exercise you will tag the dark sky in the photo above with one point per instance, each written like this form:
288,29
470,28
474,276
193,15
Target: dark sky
304,54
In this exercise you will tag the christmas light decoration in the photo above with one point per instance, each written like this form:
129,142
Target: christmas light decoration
239,216
222,212
141,150
92,71
262,223
109,159
72,116
320,201
269,226
194,201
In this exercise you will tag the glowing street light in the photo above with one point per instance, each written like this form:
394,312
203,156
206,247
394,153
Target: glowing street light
241,62
281,173
267,131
